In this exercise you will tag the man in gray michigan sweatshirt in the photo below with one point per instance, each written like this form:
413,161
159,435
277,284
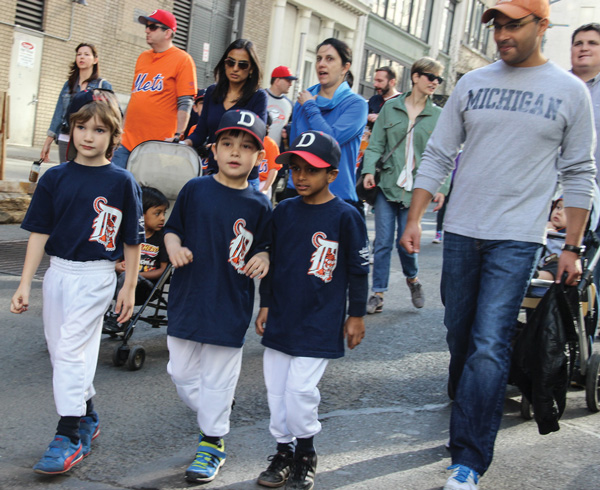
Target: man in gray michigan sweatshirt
522,121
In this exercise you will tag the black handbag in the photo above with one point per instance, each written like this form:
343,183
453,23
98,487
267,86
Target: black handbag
369,195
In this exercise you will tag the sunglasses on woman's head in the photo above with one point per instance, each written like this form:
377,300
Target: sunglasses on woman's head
242,64
431,77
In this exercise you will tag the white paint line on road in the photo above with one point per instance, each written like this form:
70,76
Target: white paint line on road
377,410
581,429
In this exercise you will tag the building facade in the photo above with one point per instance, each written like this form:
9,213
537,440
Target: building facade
43,34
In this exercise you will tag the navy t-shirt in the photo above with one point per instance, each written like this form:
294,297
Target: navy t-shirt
315,248
89,212
210,299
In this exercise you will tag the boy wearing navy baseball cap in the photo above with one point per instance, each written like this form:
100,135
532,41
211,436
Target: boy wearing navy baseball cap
217,237
319,261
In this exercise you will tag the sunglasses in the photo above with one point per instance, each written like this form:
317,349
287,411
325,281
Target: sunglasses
243,64
513,26
153,27
431,77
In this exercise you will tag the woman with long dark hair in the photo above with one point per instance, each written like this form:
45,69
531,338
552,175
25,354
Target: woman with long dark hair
331,107
238,76
84,74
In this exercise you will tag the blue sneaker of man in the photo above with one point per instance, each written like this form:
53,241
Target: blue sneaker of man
89,429
463,478
209,459
60,456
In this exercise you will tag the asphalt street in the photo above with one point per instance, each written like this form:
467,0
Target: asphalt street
384,410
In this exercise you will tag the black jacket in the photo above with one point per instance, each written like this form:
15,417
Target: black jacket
540,366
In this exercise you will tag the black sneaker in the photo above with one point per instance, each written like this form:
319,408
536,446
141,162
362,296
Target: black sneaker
303,472
278,471
110,325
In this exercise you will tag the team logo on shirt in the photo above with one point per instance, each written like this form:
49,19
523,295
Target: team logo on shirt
240,245
106,224
143,85
263,167
324,258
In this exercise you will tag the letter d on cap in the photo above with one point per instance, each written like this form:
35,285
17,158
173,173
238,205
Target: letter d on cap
303,140
246,119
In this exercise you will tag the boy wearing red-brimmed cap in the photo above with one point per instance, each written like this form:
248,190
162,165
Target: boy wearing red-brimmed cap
319,259
218,238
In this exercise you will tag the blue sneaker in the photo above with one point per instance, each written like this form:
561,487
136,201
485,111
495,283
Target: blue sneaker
209,459
463,478
60,456
88,431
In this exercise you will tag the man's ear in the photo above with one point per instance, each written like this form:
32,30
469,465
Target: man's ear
542,26
260,157
332,175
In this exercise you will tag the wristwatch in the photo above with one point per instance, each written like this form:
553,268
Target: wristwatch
573,248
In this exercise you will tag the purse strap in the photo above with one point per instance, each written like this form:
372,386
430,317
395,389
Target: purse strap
381,162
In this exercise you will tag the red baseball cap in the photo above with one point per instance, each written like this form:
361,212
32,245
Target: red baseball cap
517,9
160,17
317,148
283,72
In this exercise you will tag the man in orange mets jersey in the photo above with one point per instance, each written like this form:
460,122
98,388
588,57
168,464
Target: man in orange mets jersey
164,86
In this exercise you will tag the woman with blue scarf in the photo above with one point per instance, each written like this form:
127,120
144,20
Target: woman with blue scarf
332,107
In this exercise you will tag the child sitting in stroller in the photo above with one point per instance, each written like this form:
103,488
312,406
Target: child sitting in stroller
555,231
154,258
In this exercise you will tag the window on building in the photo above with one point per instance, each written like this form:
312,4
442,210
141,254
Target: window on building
372,61
477,36
30,13
412,16
182,9
447,24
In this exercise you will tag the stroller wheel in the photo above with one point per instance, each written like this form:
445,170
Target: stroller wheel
120,355
136,358
592,383
526,408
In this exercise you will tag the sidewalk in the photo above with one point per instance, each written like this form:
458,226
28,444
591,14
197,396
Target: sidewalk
15,189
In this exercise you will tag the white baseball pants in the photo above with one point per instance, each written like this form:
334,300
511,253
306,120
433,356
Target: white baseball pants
293,394
205,376
76,296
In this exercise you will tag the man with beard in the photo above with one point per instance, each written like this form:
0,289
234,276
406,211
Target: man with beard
523,124
385,89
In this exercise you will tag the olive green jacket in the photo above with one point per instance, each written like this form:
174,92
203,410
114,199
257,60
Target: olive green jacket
389,128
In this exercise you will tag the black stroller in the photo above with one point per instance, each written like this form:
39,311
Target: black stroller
582,363
167,167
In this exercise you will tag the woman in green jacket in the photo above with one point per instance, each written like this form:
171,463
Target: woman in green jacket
411,116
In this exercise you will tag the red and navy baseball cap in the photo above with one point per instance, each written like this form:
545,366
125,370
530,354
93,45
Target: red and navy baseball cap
246,121
159,16
318,149
283,72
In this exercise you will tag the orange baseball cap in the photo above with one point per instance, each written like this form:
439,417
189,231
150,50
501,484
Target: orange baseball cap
517,9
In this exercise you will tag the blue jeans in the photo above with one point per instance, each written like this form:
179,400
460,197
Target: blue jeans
483,285
120,157
386,215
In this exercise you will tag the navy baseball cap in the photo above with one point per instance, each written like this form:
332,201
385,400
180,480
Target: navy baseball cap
246,121
318,149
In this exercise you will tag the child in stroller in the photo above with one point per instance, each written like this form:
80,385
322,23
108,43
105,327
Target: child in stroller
555,238
153,260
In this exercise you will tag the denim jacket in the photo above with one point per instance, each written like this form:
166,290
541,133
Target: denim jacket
64,99
390,126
